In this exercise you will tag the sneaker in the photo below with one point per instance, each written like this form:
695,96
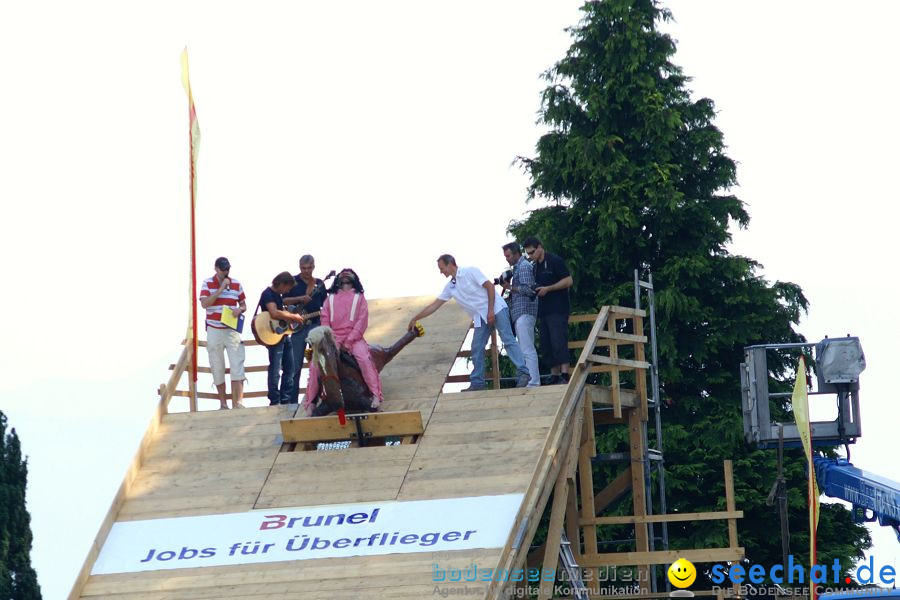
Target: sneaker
523,381
564,378
553,380
474,388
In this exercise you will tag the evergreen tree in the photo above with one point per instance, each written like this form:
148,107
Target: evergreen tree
18,581
636,176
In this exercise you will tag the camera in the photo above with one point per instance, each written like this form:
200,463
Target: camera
505,277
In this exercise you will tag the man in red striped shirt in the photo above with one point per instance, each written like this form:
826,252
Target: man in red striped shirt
218,292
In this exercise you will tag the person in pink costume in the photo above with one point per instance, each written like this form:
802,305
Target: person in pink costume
346,312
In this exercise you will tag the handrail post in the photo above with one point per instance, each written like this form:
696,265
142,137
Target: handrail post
167,389
495,360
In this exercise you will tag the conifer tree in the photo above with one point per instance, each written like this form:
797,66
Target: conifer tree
18,581
634,174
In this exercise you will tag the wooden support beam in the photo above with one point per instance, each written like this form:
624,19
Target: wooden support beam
638,494
457,379
587,318
374,425
495,359
533,561
618,362
669,518
528,518
587,449
660,557
588,433
609,369
554,533
214,396
622,339
640,377
729,504
613,360
599,325
247,369
621,312
624,312
617,488
599,394
168,389
619,339
560,502
586,486
202,343
572,529
192,393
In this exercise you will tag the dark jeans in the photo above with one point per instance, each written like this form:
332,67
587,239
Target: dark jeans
298,340
555,339
281,358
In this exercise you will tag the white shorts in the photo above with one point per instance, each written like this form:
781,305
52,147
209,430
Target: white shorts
218,342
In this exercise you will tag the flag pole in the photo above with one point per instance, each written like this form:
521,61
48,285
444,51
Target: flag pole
193,147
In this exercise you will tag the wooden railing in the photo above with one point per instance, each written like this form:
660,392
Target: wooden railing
182,367
611,339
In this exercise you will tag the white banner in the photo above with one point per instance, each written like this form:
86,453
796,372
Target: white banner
338,530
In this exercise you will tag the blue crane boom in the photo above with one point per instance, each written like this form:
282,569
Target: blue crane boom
838,478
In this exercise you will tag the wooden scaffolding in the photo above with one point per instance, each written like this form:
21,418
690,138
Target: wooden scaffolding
578,505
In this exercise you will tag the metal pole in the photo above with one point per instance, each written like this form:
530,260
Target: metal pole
782,500
654,382
654,379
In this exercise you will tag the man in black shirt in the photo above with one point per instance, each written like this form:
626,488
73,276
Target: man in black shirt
281,356
309,293
553,281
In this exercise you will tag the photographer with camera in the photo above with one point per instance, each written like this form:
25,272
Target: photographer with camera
503,281
523,305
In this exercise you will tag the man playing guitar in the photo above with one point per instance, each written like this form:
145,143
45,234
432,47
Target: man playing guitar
281,358
308,293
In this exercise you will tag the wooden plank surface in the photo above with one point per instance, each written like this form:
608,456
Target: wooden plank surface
329,428
484,443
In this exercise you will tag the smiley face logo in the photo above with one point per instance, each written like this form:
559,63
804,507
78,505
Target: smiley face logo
682,573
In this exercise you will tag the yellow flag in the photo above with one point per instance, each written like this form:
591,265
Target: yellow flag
195,126
194,139
800,403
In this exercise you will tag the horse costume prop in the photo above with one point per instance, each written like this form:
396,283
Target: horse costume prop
341,385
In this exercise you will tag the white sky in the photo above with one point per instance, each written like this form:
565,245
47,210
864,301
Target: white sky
375,135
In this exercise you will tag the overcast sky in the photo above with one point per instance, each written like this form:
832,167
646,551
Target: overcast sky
376,135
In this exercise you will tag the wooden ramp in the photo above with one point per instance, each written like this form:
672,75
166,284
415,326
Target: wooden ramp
224,462
509,445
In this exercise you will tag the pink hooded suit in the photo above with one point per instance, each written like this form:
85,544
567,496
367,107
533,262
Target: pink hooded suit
348,333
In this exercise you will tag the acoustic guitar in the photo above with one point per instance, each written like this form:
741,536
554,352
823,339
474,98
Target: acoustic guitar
269,331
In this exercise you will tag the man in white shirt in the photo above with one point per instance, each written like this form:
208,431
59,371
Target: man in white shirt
475,294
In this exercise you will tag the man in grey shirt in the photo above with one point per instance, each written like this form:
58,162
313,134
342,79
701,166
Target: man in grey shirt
523,306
